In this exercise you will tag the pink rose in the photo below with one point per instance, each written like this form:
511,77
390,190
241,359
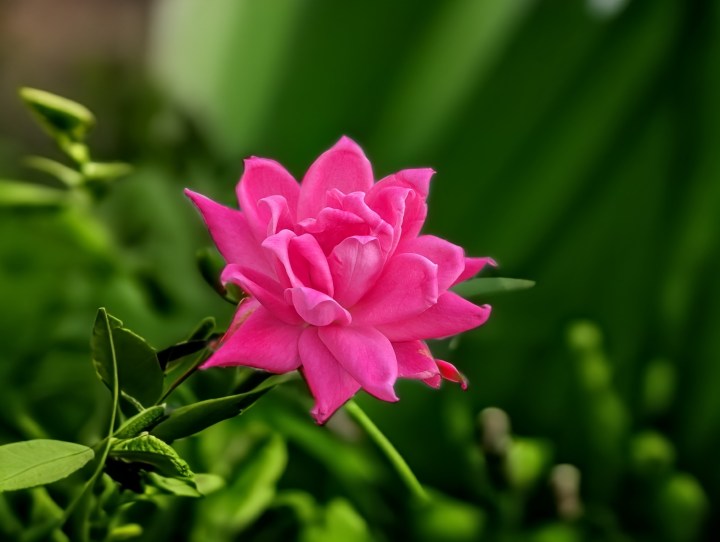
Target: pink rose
341,285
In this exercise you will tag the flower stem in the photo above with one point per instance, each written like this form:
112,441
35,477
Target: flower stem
382,442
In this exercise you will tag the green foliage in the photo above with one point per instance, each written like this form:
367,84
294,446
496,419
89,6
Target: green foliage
489,286
39,462
152,451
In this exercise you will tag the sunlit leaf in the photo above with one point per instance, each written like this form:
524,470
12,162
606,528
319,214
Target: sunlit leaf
58,115
19,194
67,175
142,421
180,487
106,171
38,462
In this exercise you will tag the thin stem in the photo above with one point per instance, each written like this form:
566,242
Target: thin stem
382,442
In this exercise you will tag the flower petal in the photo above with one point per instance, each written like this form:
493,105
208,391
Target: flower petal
301,261
329,383
317,308
473,266
449,372
367,355
415,360
258,339
355,265
265,289
275,212
451,315
449,258
231,233
344,167
406,288
263,178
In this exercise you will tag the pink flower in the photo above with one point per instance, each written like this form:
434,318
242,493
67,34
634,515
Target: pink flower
341,285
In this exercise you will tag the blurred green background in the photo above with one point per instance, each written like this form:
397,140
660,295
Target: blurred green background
576,142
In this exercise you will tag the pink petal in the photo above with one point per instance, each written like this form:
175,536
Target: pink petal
473,266
451,315
449,372
329,383
332,226
265,289
367,355
415,360
376,226
275,212
263,178
449,258
416,179
316,308
355,265
231,233
301,261
258,340
406,288
344,167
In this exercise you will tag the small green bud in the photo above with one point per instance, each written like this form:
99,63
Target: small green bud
59,116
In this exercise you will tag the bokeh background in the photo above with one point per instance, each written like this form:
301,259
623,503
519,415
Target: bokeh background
576,142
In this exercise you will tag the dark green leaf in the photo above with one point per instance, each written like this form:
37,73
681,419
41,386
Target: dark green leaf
180,350
38,462
204,330
58,115
24,194
489,286
139,372
150,450
191,419
210,264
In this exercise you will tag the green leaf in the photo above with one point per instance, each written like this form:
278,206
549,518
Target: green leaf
191,419
21,194
150,450
489,286
38,462
180,487
178,351
106,170
204,330
66,175
59,116
141,422
139,372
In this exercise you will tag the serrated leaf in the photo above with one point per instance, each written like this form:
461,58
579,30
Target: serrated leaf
142,421
59,116
150,450
37,462
191,419
139,372
19,194
490,286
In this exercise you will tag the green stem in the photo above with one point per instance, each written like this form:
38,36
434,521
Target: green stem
397,461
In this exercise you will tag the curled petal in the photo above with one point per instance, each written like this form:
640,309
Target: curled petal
355,265
257,339
344,167
265,289
263,178
451,315
367,355
449,258
329,383
449,372
473,266
275,212
406,288
231,233
317,308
